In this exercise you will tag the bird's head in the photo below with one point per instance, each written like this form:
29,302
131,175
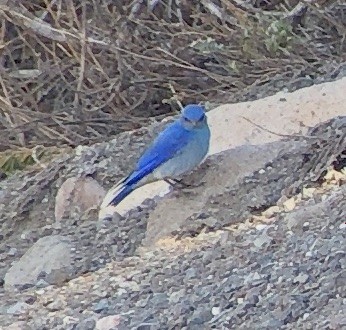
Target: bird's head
193,116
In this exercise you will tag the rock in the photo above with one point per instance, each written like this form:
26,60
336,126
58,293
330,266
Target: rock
290,204
252,278
12,252
18,308
200,316
48,259
108,323
215,311
160,300
87,324
19,325
82,193
301,278
263,240
41,283
217,172
56,305
271,211
70,322
100,306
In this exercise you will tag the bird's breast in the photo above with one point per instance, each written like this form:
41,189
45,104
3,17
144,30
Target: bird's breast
185,160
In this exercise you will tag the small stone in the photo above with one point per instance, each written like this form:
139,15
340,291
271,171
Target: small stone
271,211
262,240
25,235
333,175
68,320
40,292
252,277
55,305
240,300
87,324
102,305
261,227
302,278
41,283
342,226
132,285
19,325
160,299
210,221
50,255
108,323
289,205
200,316
176,296
253,295
294,222
308,192
190,273
12,252
83,193
18,308
216,311
79,150
30,299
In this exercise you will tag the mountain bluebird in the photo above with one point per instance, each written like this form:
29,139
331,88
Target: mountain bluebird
179,148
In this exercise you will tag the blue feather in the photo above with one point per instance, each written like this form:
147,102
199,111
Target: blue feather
186,140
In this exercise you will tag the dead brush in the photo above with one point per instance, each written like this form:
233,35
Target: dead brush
78,72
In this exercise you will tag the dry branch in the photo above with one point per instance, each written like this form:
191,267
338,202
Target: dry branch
78,71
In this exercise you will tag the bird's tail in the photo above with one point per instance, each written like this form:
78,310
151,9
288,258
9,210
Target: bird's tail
118,193
135,180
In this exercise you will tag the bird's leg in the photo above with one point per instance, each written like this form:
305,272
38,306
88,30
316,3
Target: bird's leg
175,183
179,184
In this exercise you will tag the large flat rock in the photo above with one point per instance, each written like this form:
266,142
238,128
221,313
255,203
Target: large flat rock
49,259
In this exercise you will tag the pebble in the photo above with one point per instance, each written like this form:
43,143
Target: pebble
216,311
262,240
271,211
100,306
12,252
302,278
87,324
108,323
18,308
19,325
289,205
261,227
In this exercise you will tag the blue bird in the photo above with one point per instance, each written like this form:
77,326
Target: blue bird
178,149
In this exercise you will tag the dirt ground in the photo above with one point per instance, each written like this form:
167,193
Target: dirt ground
258,245
257,241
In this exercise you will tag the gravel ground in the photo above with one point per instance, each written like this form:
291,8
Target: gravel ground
287,272
277,268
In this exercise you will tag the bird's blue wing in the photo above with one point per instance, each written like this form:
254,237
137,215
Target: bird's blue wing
168,143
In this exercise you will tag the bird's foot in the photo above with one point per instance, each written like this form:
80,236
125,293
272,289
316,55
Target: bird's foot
179,184
176,184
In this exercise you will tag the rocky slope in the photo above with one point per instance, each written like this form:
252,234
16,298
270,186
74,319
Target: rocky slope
258,243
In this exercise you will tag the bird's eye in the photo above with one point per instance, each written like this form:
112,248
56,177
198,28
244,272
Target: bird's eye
187,120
